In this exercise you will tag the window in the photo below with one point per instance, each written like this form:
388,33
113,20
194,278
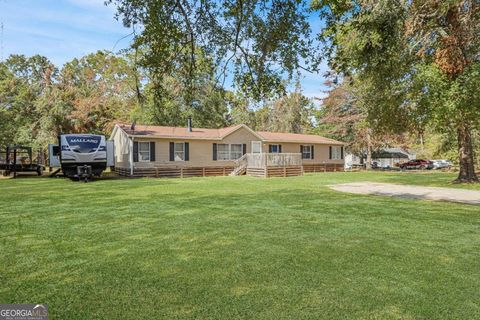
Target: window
236,151
336,153
223,152
179,151
143,151
306,152
83,143
274,148
229,151
256,147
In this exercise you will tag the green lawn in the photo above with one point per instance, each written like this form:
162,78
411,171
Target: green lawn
237,248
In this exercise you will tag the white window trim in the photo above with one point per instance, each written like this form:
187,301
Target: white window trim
258,144
174,152
139,157
309,152
229,151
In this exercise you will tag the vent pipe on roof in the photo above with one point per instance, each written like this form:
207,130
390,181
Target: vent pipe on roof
189,124
132,127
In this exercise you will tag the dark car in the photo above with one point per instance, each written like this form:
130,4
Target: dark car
417,164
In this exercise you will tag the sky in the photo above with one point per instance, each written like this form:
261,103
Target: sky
65,29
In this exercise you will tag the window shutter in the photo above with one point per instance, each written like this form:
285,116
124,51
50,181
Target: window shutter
152,150
244,148
279,148
187,151
301,151
172,148
341,153
313,155
214,151
135,151
330,152
269,148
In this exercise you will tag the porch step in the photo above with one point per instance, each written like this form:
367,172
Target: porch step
239,171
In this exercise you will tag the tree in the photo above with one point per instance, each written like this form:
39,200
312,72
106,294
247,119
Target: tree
169,102
23,81
344,116
420,59
260,42
102,90
290,113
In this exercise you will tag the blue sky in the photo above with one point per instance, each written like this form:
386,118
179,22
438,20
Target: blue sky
64,29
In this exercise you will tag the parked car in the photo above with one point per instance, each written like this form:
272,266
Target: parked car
441,164
417,164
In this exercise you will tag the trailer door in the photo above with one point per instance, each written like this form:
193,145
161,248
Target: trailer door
53,155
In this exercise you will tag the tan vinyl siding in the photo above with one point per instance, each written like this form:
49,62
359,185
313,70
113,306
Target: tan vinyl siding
200,151
122,149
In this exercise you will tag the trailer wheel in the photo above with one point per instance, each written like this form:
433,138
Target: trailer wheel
39,171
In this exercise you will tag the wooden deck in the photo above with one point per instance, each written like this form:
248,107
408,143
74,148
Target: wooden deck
269,165
263,165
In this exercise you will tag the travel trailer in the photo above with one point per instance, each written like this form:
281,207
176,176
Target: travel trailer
82,156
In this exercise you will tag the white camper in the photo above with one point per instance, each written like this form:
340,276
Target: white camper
82,156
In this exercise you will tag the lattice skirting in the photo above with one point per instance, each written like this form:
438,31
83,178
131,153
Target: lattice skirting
169,172
166,172
325,167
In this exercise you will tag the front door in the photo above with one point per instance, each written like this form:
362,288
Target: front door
256,146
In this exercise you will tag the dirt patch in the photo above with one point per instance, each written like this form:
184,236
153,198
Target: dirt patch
409,191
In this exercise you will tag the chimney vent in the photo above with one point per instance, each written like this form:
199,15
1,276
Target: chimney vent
189,124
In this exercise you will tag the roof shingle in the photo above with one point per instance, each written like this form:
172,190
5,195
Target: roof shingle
218,134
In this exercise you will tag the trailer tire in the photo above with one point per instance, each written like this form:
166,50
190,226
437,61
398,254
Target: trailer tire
40,171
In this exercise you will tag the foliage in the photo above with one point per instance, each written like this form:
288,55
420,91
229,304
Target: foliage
290,113
260,42
418,62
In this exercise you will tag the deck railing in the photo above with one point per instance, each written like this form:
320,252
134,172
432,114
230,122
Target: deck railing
263,160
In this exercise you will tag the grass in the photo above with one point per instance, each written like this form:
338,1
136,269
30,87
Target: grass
237,248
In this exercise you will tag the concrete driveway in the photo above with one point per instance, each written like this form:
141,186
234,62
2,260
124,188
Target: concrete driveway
409,191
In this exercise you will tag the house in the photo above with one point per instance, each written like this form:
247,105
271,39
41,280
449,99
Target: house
392,157
384,158
146,150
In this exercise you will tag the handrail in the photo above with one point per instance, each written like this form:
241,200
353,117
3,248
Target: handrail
238,161
262,160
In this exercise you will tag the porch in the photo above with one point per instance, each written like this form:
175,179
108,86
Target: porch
269,165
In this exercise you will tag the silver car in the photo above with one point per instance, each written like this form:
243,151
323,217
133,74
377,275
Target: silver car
441,164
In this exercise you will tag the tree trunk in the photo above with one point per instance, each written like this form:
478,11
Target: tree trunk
465,150
368,164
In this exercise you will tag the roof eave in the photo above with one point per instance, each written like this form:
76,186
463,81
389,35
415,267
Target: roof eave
149,136
303,141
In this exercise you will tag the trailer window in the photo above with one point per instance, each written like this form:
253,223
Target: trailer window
144,151
83,144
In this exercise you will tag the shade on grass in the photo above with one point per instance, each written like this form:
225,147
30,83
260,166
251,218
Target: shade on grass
237,247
